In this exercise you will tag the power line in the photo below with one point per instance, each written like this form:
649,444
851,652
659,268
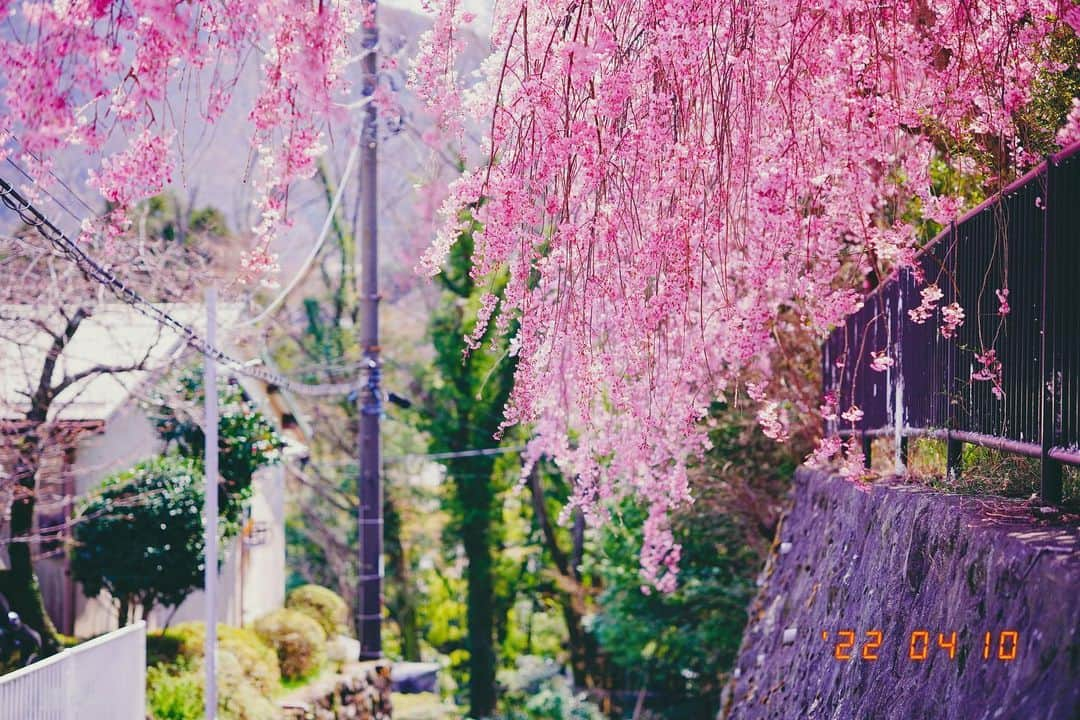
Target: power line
478,452
34,218
302,272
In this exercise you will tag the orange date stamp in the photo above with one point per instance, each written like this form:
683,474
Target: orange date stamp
847,645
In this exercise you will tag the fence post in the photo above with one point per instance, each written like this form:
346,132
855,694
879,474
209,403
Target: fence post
1050,470
954,457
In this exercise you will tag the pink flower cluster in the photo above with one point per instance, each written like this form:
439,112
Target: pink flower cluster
880,360
773,421
990,371
1003,301
80,71
665,181
1070,132
930,295
952,317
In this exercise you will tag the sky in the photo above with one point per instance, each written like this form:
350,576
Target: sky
481,8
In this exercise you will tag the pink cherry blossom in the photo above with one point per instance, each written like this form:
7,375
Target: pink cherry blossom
666,182
1070,131
991,371
1003,301
853,414
930,295
952,317
880,360
81,71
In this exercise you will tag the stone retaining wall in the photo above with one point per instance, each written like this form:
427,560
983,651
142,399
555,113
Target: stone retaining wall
903,560
359,692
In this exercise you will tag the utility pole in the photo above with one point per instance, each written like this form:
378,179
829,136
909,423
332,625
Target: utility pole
210,502
369,593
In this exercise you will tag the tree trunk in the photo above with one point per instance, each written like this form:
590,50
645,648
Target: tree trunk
405,597
587,662
19,583
476,500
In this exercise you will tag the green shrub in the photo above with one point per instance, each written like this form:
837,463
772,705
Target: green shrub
299,641
322,605
177,692
257,661
141,535
238,697
173,693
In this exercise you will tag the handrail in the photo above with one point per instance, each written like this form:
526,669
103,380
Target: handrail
1008,376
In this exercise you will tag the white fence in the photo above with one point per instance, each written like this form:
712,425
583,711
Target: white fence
101,679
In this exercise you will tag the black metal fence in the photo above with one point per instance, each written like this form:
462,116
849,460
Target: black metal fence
1007,376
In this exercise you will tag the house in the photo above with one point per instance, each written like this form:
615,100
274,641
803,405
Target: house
103,427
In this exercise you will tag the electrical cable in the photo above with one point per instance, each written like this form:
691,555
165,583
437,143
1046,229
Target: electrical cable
306,265
34,218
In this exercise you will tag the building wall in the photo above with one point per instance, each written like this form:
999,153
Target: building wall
264,571
251,582
129,437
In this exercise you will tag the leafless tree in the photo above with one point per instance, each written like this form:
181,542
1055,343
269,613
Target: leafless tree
45,301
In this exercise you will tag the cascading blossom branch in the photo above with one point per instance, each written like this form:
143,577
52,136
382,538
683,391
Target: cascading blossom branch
80,71
665,179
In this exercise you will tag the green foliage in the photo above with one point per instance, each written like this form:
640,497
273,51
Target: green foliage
536,690
247,673
161,217
177,691
246,439
238,697
173,693
299,641
680,645
141,536
1051,95
681,641
322,605
257,661
465,394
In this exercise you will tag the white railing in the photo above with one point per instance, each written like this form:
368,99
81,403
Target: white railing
101,679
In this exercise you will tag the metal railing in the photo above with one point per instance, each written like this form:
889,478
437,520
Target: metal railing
101,679
1008,376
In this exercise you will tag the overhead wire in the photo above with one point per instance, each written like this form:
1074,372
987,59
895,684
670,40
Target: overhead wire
94,270
319,242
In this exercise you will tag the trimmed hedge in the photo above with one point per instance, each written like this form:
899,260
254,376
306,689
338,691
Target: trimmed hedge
322,605
299,641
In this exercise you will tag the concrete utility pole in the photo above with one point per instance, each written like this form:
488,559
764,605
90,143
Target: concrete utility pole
369,594
210,503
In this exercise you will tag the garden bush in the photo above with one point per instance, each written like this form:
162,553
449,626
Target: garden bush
299,641
257,661
141,535
174,693
238,697
323,605
177,691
